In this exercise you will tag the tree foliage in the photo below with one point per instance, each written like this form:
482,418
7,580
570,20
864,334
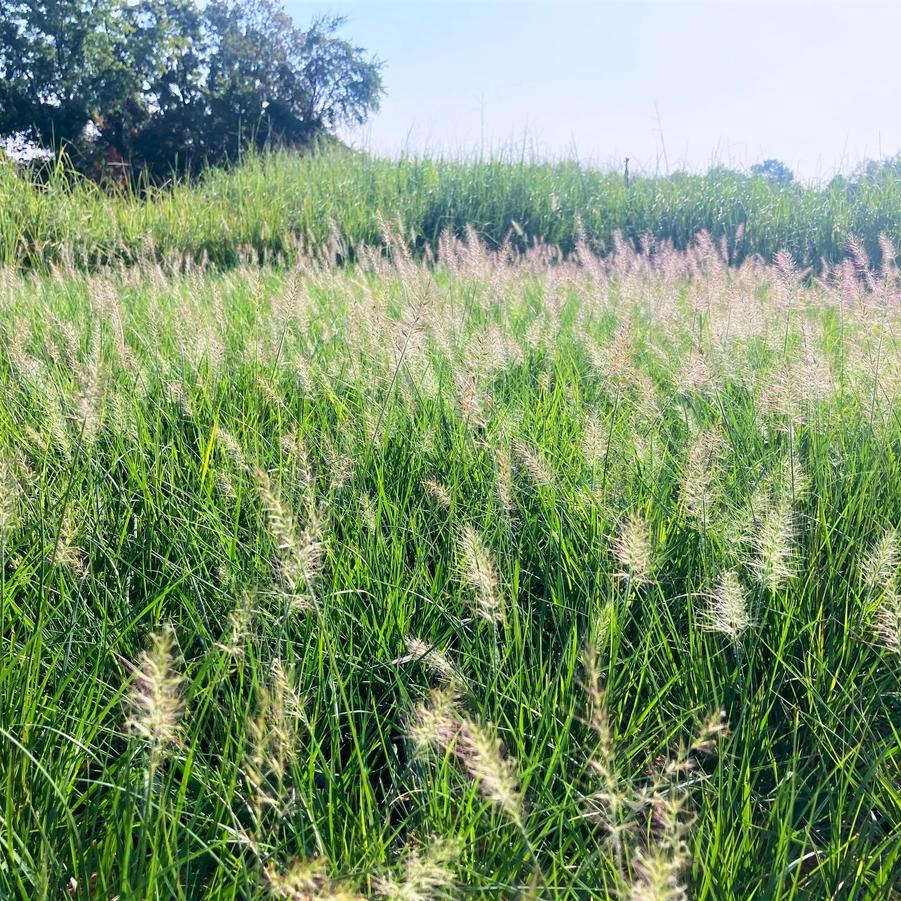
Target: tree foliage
164,84
774,171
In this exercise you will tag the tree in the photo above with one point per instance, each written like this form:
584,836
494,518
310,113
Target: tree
774,171
172,83
876,170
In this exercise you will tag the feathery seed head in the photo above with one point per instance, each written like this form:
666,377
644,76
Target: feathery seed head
307,880
10,490
707,737
887,621
282,707
178,394
700,488
727,609
495,774
504,480
632,548
439,724
659,875
367,511
533,463
881,565
240,621
659,868
425,874
696,374
480,574
595,443
773,543
232,447
432,658
67,553
90,392
340,465
295,448
599,721
154,699
438,492
301,551
273,736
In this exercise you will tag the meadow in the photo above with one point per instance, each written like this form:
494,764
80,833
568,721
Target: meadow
281,207
496,575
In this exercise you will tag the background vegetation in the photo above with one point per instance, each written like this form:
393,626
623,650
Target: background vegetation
273,206
145,89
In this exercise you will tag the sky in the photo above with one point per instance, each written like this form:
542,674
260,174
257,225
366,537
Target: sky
673,85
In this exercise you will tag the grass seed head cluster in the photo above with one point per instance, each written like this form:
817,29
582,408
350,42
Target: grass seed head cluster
299,567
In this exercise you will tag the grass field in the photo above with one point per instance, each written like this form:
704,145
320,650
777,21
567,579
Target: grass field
489,578
274,206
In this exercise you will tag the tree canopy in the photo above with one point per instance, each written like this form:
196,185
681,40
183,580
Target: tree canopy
774,171
174,84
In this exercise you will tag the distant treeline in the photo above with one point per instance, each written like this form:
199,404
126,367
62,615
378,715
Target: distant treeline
273,206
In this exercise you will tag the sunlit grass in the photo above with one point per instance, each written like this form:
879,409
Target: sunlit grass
479,579
271,207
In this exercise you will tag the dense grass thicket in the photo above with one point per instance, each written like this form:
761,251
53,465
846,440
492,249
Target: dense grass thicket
272,206
484,579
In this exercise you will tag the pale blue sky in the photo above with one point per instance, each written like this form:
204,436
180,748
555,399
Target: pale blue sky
817,85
